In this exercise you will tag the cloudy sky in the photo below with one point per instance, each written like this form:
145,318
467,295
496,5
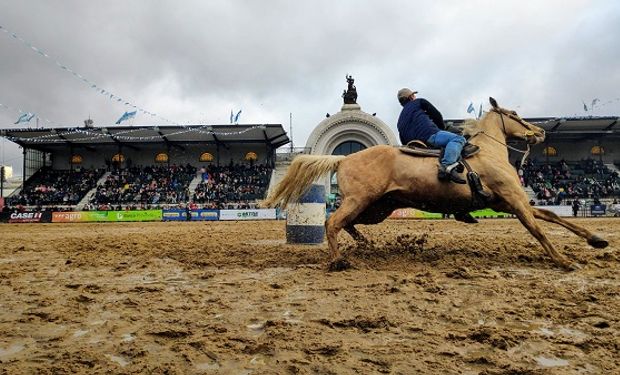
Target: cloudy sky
192,62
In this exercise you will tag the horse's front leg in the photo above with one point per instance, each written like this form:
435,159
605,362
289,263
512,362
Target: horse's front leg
593,239
525,214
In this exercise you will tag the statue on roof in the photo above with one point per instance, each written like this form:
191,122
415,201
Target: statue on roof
350,94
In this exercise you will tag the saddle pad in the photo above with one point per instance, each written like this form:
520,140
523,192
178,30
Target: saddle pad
419,151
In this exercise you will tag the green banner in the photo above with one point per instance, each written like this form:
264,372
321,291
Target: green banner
146,215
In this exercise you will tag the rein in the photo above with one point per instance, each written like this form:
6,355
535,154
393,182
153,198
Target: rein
525,152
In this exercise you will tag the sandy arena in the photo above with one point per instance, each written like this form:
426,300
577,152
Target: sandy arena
436,297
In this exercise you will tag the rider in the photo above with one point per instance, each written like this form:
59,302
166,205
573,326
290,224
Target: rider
420,120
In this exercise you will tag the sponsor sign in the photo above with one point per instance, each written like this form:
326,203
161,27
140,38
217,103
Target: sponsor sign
259,214
598,209
146,215
174,215
204,215
30,217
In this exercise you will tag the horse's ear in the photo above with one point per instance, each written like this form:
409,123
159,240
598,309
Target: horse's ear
493,102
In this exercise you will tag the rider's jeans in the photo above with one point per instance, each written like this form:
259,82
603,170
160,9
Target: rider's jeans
452,142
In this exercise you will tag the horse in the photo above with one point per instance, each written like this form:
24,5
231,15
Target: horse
377,180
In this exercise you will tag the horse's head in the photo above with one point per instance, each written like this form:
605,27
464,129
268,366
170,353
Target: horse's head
515,127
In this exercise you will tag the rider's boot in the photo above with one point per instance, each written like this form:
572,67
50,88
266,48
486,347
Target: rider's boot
450,173
469,150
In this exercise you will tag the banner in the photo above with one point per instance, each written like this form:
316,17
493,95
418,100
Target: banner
258,214
204,215
175,214
30,217
598,209
108,216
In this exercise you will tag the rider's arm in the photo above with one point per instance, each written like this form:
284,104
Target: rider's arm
433,113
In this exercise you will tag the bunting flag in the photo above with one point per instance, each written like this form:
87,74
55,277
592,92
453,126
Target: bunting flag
480,111
471,108
126,116
231,116
594,101
91,84
26,117
585,107
237,117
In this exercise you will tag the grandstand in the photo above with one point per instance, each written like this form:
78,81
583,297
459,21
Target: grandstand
144,166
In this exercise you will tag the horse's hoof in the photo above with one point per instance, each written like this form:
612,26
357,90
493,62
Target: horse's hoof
598,242
339,265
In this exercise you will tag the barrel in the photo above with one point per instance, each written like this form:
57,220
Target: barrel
305,219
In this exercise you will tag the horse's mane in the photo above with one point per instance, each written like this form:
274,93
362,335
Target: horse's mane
470,126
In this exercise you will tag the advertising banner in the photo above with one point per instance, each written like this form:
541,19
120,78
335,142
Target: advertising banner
204,215
30,217
174,215
258,214
598,209
79,216
146,215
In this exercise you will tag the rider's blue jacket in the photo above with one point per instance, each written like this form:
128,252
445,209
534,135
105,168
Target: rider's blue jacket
418,120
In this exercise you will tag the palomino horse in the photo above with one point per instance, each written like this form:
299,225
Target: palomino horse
379,179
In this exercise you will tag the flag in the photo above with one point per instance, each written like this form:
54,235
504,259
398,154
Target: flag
480,111
26,117
471,108
126,116
231,116
585,107
237,116
594,101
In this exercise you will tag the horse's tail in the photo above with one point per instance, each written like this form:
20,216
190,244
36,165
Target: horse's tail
303,171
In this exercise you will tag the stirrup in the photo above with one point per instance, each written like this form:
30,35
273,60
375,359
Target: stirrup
450,173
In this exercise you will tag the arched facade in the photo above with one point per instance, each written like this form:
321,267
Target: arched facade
351,124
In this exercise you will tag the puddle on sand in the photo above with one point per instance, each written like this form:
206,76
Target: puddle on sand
128,337
80,332
551,362
121,361
12,349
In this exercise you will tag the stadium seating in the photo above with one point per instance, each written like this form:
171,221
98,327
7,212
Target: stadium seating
145,185
559,182
56,187
233,186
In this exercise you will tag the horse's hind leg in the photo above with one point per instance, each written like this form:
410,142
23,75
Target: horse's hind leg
342,218
526,217
357,236
593,239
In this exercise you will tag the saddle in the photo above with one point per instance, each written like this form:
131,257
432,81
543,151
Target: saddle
419,148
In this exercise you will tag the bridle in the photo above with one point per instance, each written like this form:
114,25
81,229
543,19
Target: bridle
529,132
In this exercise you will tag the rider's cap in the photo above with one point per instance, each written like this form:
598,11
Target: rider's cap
405,93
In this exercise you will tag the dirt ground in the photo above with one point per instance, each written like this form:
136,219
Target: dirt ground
436,297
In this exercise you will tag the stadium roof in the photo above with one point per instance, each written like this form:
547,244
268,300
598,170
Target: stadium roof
574,127
46,138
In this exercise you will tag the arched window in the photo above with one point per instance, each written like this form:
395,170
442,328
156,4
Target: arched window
348,147
162,157
597,150
251,156
76,159
550,151
206,157
118,158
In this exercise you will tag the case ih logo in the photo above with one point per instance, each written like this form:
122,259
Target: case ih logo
25,217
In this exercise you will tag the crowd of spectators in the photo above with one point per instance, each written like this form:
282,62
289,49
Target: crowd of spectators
562,182
145,185
56,187
232,186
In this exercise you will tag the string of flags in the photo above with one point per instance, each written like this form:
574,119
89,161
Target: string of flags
92,85
90,135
